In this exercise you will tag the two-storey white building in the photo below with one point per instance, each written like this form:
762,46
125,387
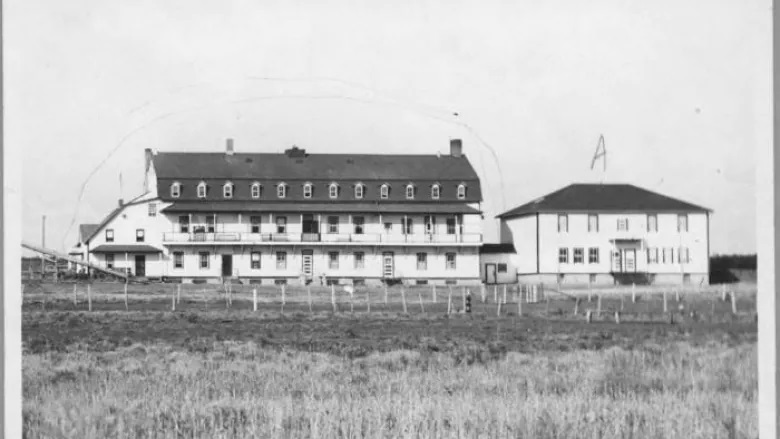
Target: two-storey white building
607,233
295,216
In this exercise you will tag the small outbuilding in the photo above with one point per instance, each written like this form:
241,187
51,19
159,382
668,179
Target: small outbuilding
496,263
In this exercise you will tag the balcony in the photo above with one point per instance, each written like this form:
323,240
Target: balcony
322,238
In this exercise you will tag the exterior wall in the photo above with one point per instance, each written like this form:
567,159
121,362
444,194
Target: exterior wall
405,263
522,232
509,276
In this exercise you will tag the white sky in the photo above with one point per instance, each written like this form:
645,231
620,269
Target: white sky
681,91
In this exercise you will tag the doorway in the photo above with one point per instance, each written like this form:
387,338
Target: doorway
624,261
227,265
308,263
490,274
140,265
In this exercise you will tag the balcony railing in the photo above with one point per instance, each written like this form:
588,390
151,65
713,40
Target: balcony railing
368,238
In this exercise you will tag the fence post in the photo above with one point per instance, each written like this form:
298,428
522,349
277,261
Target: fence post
589,316
419,295
463,291
498,311
126,306
89,296
308,293
385,285
519,301
576,306
665,306
633,293
598,306
622,301
590,291
723,292
75,298
403,297
434,293
254,299
617,317
351,301
677,294
504,294
368,300
284,297
173,301
734,301
482,293
178,293
333,297
495,293
449,301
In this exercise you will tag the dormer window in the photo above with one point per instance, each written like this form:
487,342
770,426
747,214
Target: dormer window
202,189
227,190
435,191
384,191
333,190
307,190
359,190
461,191
176,190
409,191
255,189
281,190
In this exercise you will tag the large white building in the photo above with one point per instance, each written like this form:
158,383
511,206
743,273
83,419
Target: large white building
294,216
607,233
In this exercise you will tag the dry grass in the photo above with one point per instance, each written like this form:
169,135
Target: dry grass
243,390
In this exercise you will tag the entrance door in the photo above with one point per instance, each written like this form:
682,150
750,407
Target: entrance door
490,274
629,256
140,265
617,261
227,265
308,263
387,264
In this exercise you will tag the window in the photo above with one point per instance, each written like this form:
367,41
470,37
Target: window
384,192
359,190
652,255
333,260
178,259
450,261
502,268
667,256
430,224
388,227
461,191
184,224
152,209
281,224
450,226
422,261
435,191
204,260
307,190
110,261
109,235
652,223
563,223
622,224
254,222
359,222
682,223
563,255
281,260
202,189
359,260
210,220
578,255
406,225
140,234
255,190
593,255
255,260
176,190
682,255
281,190
227,190
409,192
593,223
333,190
333,224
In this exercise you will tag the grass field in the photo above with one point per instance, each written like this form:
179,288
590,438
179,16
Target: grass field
216,369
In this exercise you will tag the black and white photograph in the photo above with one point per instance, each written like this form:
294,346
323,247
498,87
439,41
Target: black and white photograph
428,219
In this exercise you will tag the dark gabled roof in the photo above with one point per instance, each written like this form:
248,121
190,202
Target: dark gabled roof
603,198
497,248
122,248
339,167
86,230
249,206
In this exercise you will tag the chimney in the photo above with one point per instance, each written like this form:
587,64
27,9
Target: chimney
147,166
456,147
229,147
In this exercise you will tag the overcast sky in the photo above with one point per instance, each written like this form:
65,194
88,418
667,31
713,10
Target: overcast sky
679,89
